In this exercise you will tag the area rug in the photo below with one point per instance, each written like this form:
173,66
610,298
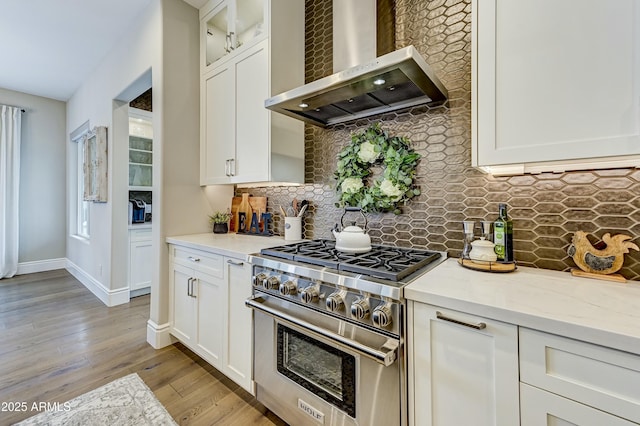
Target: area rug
124,402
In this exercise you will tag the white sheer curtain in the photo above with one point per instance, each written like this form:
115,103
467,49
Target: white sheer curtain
10,121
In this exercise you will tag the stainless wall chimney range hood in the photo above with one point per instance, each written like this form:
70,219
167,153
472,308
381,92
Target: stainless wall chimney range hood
363,85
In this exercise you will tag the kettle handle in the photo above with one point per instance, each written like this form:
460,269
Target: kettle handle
353,209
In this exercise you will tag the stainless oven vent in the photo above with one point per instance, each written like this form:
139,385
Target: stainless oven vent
363,85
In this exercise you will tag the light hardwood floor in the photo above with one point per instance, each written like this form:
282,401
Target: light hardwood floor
58,341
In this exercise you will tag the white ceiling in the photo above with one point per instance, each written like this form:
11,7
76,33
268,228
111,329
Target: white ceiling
48,47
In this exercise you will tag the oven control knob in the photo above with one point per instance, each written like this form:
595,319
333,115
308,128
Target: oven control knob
259,279
360,309
382,316
271,283
288,288
335,301
309,294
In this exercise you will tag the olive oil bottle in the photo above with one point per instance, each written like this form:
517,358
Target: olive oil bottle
503,235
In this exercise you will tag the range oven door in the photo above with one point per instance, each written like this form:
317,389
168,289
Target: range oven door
313,369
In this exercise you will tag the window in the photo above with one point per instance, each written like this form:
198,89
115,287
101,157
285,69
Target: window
80,220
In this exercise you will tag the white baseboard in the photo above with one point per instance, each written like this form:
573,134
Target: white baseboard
158,335
114,297
41,266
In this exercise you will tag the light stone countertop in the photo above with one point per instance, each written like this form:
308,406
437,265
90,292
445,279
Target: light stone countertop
597,311
239,246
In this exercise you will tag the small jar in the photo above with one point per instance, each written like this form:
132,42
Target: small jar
483,250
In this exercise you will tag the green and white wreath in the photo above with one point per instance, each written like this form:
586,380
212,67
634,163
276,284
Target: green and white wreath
392,188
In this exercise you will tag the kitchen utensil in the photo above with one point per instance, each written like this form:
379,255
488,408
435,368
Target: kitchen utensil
282,212
302,210
352,239
294,204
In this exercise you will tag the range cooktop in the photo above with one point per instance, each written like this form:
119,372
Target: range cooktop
385,262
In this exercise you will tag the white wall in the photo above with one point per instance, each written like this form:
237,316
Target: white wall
135,54
165,41
42,181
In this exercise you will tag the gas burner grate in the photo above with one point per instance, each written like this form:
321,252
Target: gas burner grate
385,262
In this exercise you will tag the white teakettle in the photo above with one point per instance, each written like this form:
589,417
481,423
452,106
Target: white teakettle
352,239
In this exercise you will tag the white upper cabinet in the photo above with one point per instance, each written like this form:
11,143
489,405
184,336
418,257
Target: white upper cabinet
556,85
230,26
241,142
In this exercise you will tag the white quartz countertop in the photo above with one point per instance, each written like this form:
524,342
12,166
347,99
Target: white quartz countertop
235,245
597,311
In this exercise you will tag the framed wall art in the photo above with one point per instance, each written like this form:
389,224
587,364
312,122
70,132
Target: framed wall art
95,165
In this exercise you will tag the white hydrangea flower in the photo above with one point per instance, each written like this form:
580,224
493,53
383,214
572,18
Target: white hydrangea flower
367,153
390,190
351,184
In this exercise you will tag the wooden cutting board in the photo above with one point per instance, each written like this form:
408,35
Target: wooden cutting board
258,204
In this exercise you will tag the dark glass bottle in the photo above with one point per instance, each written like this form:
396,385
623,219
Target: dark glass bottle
503,235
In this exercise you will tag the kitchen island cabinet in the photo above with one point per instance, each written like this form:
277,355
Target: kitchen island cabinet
577,340
241,141
210,279
556,85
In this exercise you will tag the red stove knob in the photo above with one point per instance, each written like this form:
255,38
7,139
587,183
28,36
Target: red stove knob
288,288
309,294
271,283
382,316
259,279
360,309
335,301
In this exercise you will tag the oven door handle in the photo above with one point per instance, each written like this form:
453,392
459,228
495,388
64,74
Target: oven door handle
385,355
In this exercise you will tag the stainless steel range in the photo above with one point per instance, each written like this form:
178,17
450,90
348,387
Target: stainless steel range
329,331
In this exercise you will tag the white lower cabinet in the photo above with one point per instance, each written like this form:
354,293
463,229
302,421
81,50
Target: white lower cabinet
183,304
239,348
539,407
207,311
210,313
463,369
469,370
590,380
140,260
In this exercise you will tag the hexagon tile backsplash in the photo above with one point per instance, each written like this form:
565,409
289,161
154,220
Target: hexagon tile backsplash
546,209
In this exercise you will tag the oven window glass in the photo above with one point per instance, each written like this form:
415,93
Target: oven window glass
323,370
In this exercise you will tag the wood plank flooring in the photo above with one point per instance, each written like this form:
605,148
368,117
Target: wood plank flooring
58,341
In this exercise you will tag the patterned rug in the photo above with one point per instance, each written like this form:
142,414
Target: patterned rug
124,402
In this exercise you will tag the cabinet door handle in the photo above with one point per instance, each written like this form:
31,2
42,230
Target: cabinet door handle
232,167
189,286
226,167
478,326
194,259
233,262
193,281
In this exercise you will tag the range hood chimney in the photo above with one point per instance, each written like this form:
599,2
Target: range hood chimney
369,77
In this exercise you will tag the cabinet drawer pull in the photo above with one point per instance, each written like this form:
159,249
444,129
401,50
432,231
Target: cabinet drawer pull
194,259
233,262
478,326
